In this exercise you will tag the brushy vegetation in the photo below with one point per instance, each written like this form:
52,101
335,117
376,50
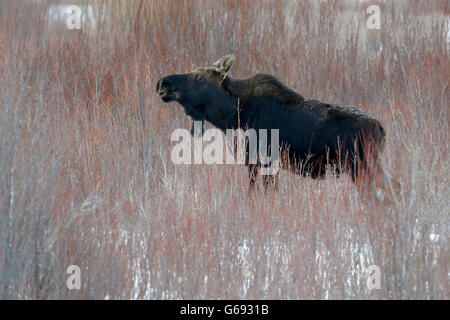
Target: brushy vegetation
86,177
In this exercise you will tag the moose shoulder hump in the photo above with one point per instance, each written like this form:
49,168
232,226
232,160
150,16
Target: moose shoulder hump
262,85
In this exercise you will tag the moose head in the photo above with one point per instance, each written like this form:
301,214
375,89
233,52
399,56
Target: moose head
200,91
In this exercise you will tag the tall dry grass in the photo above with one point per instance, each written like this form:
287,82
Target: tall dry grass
86,177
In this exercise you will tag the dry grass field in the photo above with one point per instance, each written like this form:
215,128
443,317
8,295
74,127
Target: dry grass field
86,176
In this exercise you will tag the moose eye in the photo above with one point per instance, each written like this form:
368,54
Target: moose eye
199,77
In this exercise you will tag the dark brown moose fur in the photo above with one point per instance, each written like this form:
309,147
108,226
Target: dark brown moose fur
312,134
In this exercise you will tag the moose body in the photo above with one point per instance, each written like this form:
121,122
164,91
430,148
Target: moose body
312,134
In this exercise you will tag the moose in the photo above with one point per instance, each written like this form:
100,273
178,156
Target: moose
314,135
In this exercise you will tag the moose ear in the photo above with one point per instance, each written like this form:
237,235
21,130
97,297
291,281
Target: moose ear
224,64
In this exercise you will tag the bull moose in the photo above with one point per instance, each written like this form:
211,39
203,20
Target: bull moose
312,134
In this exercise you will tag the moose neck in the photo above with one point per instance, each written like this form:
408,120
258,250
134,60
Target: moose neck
241,88
222,110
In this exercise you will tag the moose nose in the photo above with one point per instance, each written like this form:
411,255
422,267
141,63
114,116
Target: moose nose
159,84
163,85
